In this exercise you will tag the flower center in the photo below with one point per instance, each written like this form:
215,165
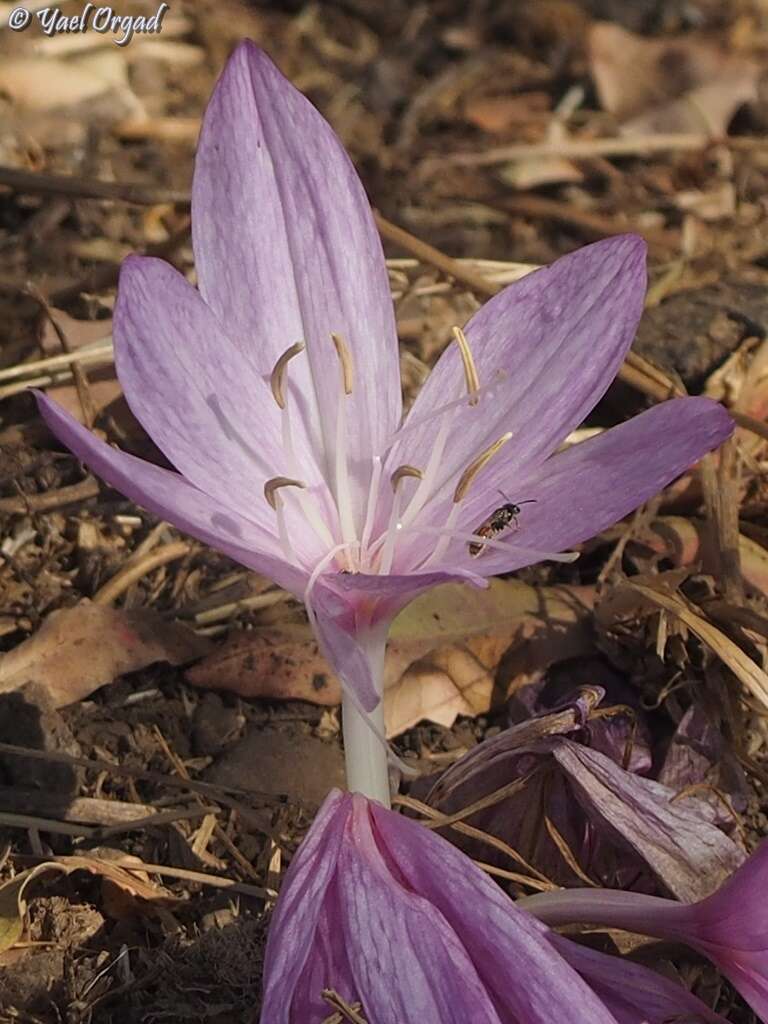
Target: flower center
395,508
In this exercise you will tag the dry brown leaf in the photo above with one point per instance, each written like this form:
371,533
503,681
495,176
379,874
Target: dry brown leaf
681,540
742,666
42,84
123,893
442,656
13,906
79,649
500,113
275,663
668,85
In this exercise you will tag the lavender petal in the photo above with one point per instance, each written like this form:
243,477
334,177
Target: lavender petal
286,250
554,341
171,497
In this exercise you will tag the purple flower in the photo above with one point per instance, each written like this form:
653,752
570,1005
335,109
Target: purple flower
633,993
387,914
273,389
624,830
730,926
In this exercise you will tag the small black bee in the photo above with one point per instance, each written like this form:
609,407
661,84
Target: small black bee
497,522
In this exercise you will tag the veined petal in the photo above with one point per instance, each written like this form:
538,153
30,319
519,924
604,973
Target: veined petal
631,991
730,926
547,347
592,485
528,980
198,398
286,250
299,911
171,497
384,930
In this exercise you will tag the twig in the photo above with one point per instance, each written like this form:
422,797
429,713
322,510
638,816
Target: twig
429,254
134,569
30,183
84,395
485,837
65,828
217,881
593,225
722,498
87,488
154,820
224,612
100,350
343,1009
171,781
60,828
575,149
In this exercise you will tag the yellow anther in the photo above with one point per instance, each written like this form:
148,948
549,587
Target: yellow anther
470,370
277,379
271,487
345,358
476,465
403,471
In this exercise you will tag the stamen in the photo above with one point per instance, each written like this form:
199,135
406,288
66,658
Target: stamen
470,370
370,513
403,471
426,484
345,358
271,489
411,424
445,537
343,493
488,542
306,501
277,380
272,486
393,526
474,467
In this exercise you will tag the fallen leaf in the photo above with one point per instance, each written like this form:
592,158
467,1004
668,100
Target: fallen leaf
442,657
500,113
124,892
275,663
682,85
79,649
77,332
681,540
103,389
13,906
42,84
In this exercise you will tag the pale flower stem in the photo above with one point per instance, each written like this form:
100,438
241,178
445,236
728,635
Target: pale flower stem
365,755
366,751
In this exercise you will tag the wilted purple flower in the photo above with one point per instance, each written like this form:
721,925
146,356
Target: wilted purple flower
274,390
623,830
730,926
387,914
634,994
